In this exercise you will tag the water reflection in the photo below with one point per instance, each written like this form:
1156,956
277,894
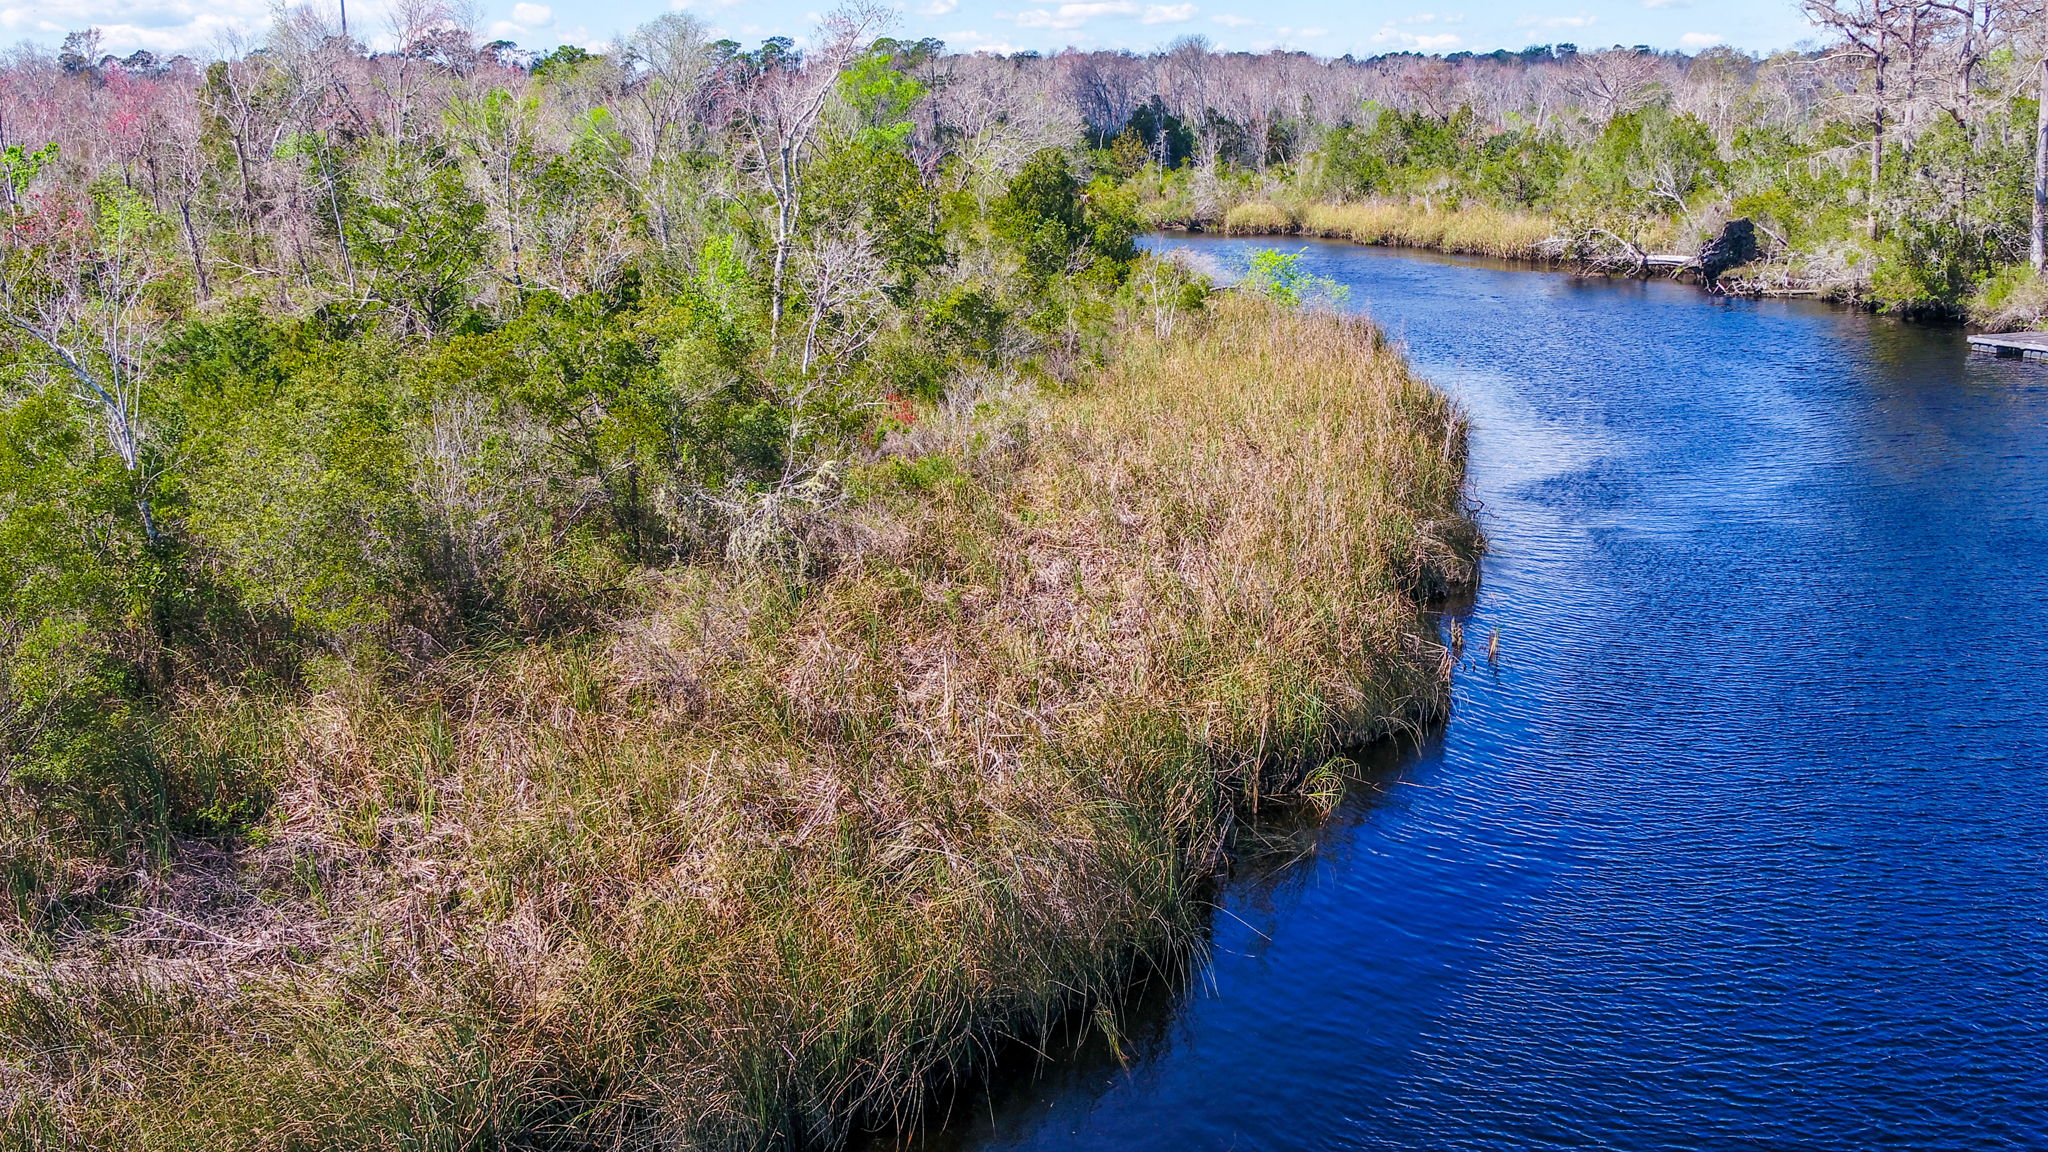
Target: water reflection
1072,1073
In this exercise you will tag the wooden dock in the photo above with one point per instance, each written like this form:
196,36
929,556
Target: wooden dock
2030,345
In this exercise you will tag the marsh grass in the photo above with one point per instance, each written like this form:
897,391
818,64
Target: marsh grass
762,862
1258,218
1479,231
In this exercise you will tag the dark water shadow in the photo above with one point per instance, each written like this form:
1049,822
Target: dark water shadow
1093,1049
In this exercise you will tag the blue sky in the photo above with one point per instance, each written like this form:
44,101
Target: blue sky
1327,27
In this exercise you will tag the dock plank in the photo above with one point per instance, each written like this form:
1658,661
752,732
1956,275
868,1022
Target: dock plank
2028,345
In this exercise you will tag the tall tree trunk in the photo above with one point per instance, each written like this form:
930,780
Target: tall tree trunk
1966,88
2037,249
348,260
1966,71
1877,133
198,256
512,218
785,191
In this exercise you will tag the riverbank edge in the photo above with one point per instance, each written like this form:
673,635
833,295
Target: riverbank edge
1521,238
765,863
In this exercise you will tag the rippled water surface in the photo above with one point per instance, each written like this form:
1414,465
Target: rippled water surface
1742,843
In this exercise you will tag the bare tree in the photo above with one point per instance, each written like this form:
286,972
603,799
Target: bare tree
1612,83
844,274
1189,69
1432,86
180,153
72,288
782,108
669,62
1716,85
1871,32
1106,87
497,132
992,114
669,68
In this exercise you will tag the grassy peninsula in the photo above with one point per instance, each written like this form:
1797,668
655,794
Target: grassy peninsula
758,859
677,597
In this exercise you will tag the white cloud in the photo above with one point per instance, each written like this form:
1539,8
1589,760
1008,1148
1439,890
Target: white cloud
1074,15
1580,21
939,7
1291,39
1230,21
532,15
162,26
1168,14
972,41
1418,42
1699,40
1667,3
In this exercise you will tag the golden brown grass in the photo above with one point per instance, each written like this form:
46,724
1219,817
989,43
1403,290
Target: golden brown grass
1476,230
764,861
1258,219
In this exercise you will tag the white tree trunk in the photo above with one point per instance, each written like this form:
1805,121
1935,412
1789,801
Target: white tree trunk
2037,250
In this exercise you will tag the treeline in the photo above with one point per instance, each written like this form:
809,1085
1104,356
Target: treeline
1896,165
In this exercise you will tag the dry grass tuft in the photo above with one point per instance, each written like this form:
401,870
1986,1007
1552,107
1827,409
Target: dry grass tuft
763,861
1258,219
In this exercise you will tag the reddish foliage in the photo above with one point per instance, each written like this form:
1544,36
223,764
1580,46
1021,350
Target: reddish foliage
900,408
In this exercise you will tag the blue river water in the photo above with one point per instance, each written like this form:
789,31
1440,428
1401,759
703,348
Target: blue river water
1743,841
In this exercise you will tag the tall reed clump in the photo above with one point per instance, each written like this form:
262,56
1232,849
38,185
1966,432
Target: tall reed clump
1258,218
762,861
1479,231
